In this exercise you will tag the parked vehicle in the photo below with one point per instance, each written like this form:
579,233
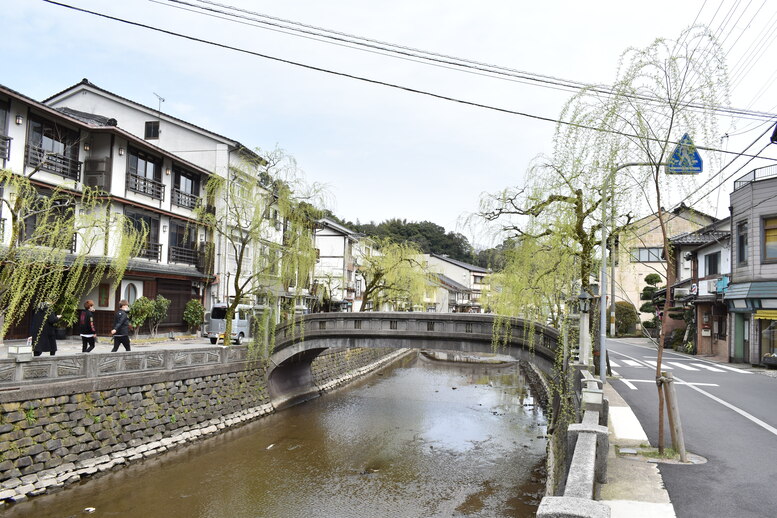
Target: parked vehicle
241,323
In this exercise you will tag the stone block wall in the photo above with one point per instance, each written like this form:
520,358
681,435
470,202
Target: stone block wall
49,442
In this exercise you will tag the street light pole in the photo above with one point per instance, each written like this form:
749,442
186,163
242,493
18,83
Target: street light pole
610,179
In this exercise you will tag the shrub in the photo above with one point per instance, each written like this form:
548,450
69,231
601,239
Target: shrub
626,317
194,314
139,312
159,308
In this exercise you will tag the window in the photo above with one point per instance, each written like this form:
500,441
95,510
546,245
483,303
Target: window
768,336
647,255
186,188
144,165
130,293
770,239
151,248
53,148
742,243
479,279
712,264
152,130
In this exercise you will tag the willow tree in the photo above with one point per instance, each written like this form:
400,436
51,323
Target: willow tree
661,92
62,243
262,216
393,274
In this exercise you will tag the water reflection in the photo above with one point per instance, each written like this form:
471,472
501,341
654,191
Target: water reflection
423,439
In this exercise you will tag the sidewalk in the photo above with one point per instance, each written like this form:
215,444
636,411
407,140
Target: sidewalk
635,488
70,347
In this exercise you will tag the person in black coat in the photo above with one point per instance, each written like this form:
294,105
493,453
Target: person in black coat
87,328
120,329
44,335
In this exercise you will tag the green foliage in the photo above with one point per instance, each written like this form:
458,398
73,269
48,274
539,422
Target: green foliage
158,313
194,314
139,312
653,279
650,324
395,276
626,317
37,263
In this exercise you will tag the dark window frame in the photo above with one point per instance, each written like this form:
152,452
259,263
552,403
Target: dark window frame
654,254
765,228
712,262
742,242
151,130
147,158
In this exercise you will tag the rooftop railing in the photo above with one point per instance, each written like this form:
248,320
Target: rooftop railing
762,173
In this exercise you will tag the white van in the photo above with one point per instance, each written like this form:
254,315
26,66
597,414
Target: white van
241,323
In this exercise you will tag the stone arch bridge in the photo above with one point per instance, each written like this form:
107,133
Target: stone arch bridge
289,373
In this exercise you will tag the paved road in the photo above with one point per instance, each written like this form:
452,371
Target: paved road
729,415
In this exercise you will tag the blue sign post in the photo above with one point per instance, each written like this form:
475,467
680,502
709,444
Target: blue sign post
685,158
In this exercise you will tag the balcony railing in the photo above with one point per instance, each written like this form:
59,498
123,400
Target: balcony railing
185,199
147,186
761,173
52,162
180,254
5,147
151,251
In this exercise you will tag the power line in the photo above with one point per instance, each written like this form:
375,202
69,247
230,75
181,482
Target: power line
382,83
324,35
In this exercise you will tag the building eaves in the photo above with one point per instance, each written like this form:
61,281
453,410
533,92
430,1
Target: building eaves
336,226
450,283
462,264
85,83
94,123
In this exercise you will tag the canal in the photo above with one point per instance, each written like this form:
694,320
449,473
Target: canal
420,439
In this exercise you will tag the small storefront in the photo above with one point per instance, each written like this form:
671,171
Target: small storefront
753,309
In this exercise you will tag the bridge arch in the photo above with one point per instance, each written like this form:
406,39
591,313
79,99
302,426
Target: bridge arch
289,374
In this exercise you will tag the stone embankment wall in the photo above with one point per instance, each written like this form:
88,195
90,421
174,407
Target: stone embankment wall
49,442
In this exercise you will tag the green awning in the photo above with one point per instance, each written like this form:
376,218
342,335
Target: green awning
752,290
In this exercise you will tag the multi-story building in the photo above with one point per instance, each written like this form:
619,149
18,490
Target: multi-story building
336,276
473,278
703,271
169,182
752,294
641,250
152,187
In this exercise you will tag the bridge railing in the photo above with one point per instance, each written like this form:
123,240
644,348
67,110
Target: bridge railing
588,444
428,326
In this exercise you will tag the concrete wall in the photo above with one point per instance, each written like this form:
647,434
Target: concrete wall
56,434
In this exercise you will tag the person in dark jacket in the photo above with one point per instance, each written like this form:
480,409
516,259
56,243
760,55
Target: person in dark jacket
86,327
44,335
121,325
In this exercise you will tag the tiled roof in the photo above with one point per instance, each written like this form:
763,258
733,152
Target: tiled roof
462,264
88,118
697,238
447,281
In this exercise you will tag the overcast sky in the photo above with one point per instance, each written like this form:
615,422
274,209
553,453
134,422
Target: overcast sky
381,152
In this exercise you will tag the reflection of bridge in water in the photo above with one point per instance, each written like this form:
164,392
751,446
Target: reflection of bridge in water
290,377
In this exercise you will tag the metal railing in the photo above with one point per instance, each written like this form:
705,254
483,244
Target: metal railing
185,199
147,186
762,173
5,147
52,162
151,251
180,254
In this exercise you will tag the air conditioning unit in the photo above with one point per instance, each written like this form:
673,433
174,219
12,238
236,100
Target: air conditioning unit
712,286
681,292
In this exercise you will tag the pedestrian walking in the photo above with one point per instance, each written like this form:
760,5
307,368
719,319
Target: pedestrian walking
87,328
121,326
44,335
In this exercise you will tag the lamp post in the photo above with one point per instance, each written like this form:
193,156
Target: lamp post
584,303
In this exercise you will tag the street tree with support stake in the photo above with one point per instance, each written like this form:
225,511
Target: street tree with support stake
663,93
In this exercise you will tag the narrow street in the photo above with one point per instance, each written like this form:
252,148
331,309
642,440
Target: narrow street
729,416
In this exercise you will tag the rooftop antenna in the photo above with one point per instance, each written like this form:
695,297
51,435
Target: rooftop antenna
161,100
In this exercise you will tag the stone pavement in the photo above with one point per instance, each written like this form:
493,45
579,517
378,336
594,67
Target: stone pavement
69,346
635,488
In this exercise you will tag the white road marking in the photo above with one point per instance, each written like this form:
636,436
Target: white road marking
629,384
613,363
751,417
653,364
685,367
676,382
732,369
633,363
708,367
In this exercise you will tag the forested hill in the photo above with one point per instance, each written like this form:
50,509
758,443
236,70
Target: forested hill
430,238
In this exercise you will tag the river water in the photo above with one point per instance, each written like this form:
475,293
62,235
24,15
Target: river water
421,439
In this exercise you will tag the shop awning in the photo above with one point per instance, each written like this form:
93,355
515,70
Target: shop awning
766,314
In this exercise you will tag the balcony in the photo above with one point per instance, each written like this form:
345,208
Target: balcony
5,147
755,175
152,251
180,254
147,186
185,199
52,162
